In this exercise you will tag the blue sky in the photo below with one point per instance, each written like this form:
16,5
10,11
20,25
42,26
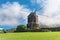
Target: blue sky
15,12
26,3
22,2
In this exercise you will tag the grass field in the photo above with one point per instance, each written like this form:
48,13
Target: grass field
31,36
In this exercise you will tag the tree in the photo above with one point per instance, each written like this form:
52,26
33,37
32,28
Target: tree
4,31
21,28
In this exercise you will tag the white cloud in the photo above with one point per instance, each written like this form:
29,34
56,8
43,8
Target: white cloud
51,10
10,13
41,3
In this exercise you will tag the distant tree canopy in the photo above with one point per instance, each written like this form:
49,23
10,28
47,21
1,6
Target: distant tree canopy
4,31
21,28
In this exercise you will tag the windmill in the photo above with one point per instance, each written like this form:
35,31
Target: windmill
38,9
34,24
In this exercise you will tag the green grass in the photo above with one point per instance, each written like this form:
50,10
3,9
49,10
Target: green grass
31,36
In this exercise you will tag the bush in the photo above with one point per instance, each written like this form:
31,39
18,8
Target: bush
21,28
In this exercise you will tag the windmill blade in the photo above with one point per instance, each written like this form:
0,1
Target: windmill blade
45,15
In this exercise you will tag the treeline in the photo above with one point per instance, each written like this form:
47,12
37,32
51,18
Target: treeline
23,28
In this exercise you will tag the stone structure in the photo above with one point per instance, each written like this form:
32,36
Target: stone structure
33,21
